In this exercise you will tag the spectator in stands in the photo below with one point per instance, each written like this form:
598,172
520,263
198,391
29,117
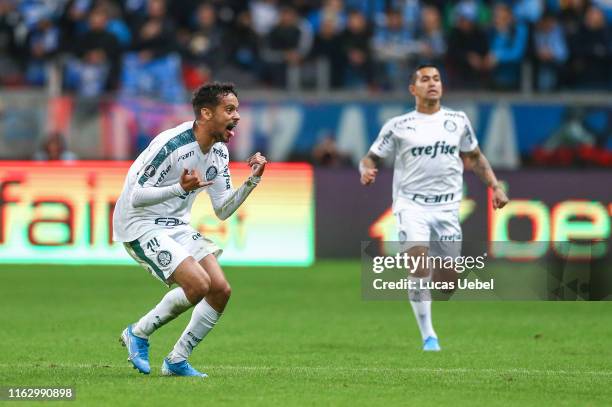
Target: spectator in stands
73,21
202,48
606,8
331,13
242,45
10,72
508,40
95,65
593,51
154,35
286,45
467,49
265,15
528,11
326,153
184,12
357,52
394,46
373,8
116,24
570,15
54,148
411,11
42,46
327,43
154,66
432,44
303,7
261,38
551,52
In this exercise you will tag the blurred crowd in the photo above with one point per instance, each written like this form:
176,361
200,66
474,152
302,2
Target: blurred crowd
161,47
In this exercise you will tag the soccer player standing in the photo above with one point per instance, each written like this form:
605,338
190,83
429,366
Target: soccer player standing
152,216
428,145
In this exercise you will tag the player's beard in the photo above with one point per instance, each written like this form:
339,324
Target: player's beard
221,135
431,101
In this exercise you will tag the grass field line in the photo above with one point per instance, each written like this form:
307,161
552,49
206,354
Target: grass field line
312,369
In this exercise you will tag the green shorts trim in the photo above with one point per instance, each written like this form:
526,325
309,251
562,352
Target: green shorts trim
135,246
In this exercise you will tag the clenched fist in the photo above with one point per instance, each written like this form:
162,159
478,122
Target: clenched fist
257,162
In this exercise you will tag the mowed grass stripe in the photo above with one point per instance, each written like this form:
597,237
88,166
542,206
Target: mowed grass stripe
316,369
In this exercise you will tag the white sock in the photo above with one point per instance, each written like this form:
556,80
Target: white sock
171,306
203,319
420,300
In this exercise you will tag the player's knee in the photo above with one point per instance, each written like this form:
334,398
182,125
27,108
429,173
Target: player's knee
203,285
226,291
198,289
194,294
222,292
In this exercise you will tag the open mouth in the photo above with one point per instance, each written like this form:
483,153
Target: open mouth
229,130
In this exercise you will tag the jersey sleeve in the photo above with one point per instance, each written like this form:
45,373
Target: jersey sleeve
157,179
468,141
221,189
385,143
158,167
224,198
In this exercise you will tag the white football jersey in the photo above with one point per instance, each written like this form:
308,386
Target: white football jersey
428,171
162,164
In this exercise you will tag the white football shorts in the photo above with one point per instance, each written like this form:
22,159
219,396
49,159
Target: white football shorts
160,251
439,230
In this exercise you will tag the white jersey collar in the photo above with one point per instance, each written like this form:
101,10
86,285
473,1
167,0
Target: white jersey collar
426,115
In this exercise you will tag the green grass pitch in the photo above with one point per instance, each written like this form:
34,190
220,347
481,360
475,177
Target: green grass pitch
294,336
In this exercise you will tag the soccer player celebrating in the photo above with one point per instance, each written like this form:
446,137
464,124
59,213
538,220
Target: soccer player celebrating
428,145
152,220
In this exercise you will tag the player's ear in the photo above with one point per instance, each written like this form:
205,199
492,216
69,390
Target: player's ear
412,89
206,113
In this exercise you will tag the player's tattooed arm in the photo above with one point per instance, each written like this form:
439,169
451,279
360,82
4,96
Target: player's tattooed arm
368,167
480,165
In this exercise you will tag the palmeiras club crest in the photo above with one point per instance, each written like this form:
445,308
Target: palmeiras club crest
211,173
164,258
450,125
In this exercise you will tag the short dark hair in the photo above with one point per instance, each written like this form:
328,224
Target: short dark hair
413,77
210,94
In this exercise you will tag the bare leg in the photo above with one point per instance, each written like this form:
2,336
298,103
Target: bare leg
220,290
